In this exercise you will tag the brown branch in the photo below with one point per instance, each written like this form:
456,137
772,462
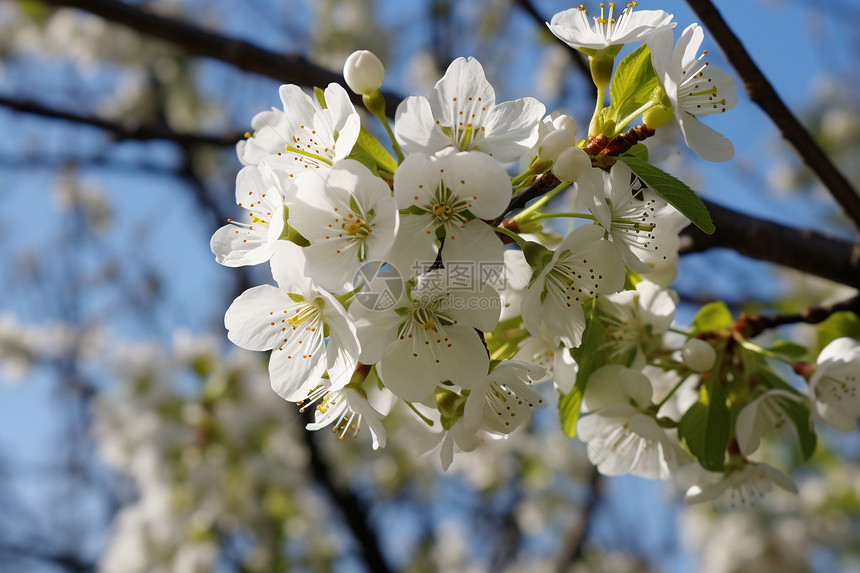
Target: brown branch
751,326
350,507
122,131
244,55
801,249
572,552
764,95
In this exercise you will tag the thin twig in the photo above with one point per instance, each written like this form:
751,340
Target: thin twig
751,326
764,95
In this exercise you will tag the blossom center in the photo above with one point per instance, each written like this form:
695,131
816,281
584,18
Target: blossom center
358,229
445,207
698,94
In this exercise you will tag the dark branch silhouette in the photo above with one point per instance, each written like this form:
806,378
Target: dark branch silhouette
750,326
122,131
801,249
291,68
351,510
764,95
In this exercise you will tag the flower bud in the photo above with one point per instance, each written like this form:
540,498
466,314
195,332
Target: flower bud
556,142
363,72
698,355
657,116
571,163
564,121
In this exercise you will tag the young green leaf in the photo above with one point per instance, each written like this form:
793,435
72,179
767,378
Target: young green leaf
712,317
801,417
673,190
837,325
632,85
369,151
589,357
789,349
704,428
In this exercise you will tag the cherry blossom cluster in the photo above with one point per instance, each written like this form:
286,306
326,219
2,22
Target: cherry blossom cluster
439,278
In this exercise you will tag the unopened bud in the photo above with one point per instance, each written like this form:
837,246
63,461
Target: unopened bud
363,72
564,121
556,142
570,164
657,116
698,355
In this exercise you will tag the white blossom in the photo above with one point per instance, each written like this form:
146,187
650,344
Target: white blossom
462,113
744,486
835,385
694,88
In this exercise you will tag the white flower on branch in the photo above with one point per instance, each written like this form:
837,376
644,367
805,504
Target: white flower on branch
348,216
291,320
622,438
582,267
463,114
238,244
609,29
694,89
835,384
743,486
304,135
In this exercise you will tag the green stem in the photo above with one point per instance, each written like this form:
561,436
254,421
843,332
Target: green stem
569,215
516,180
394,145
594,124
540,202
670,394
424,418
519,240
677,331
764,352
619,127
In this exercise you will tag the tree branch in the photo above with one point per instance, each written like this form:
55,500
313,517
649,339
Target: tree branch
244,55
801,249
764,95
122,131
751,326
349,506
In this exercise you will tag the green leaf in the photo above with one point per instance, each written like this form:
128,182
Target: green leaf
801,417
673,190
789,349
632,85
369,151
639,151
589,356
772,380
837,325
568,409
712,317
704,428
320,95
505,339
